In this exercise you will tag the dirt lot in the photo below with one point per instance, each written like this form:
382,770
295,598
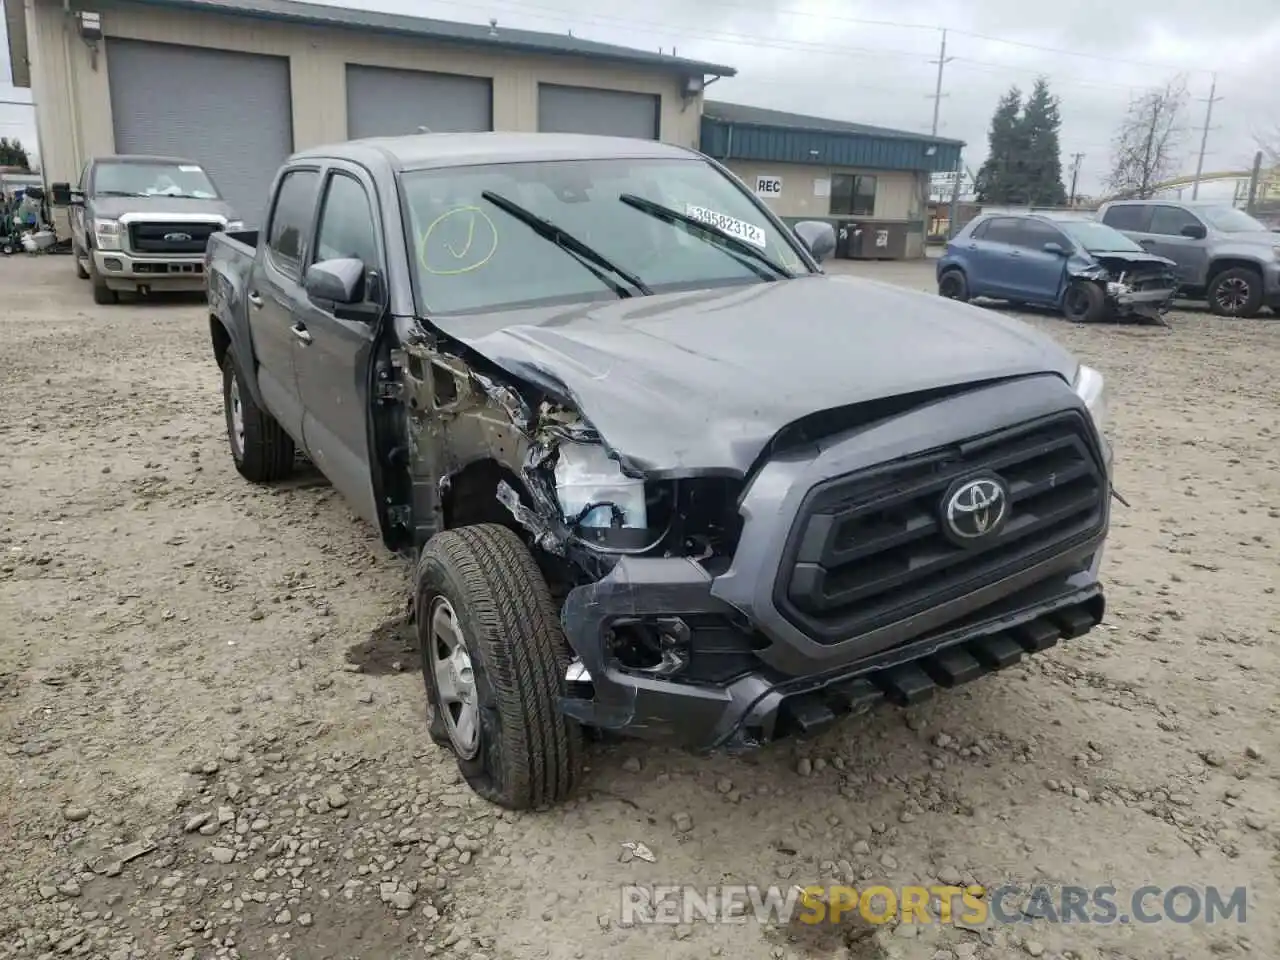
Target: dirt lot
213,740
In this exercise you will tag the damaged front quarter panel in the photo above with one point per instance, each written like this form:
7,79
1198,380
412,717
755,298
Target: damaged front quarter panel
480,445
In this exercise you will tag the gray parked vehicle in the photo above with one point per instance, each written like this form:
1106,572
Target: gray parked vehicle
659,474
142,224
1223,255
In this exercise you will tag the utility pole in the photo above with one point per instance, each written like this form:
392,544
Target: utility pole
1254,177
942,61
1204,134
1075,177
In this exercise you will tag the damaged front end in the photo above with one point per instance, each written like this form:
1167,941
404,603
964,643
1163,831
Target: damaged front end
1133,289
484,451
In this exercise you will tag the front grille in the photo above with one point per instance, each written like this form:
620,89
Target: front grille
870,548
170,237
1151,281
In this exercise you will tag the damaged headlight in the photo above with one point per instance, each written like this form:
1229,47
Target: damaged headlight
1091,387
594,494
106,234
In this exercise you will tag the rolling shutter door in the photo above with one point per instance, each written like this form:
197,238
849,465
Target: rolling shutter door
389,103
610,112
231,112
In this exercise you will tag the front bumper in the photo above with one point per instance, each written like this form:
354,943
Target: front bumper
121,270
764,704
761,676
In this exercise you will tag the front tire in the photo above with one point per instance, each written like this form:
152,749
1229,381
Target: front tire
102,294
493,659
1084,302
1236,293
954,286
260,448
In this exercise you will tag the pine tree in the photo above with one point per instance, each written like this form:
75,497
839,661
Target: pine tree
1040,123
997,180
13,154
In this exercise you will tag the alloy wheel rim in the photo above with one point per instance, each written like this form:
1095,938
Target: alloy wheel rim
1233,294
237,415
455,678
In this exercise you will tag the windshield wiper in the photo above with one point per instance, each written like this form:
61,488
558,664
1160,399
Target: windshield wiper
706,231
592,259
117,193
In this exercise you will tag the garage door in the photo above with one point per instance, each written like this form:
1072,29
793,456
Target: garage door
229,111
610,112
392,103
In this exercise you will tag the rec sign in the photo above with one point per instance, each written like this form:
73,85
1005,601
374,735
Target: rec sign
768,186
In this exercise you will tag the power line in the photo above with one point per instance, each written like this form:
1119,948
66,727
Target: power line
1204,134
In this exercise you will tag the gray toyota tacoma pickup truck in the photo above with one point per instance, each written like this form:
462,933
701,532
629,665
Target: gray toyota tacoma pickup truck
141,223
657,472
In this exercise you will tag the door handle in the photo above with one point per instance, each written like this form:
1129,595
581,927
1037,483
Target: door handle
301,332
255,301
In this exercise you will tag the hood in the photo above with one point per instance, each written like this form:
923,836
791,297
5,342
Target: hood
112,207
698,383
1126,259
1251,238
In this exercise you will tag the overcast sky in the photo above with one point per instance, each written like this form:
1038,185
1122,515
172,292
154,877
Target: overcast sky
822,57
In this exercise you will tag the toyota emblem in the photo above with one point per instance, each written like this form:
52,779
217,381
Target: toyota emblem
975,508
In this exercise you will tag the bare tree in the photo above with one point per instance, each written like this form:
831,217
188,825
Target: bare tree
1144,150
1269,144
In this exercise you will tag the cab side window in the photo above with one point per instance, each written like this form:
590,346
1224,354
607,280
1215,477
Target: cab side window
1169,221
291,220
347,226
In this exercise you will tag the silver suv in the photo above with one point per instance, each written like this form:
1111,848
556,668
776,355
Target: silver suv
1223,255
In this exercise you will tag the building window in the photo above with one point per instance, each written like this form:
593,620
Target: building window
853,195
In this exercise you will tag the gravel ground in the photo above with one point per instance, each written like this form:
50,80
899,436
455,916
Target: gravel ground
213,731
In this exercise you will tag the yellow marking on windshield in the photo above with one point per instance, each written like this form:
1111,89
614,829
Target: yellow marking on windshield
468,246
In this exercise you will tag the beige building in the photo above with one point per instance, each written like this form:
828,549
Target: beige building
238,85
872,183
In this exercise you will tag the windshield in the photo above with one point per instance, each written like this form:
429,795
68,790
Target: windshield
1097,237
152,180
472,255
1231,220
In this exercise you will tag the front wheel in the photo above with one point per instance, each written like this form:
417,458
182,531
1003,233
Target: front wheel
1084,302
493,659
1236,293
101,292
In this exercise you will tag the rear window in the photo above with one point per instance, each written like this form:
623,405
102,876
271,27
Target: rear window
1127,217
1003,230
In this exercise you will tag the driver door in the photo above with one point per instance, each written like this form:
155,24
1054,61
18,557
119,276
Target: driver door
335,353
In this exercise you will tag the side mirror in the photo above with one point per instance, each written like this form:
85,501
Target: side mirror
818,237
61,195
1054,247
338,282
340,285
1195,231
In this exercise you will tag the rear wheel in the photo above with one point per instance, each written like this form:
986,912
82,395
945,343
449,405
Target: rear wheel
493,660
953,286
260,448
1084,302
1236,293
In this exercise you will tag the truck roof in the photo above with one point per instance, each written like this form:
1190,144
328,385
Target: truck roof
1129,201
426,150
139,158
